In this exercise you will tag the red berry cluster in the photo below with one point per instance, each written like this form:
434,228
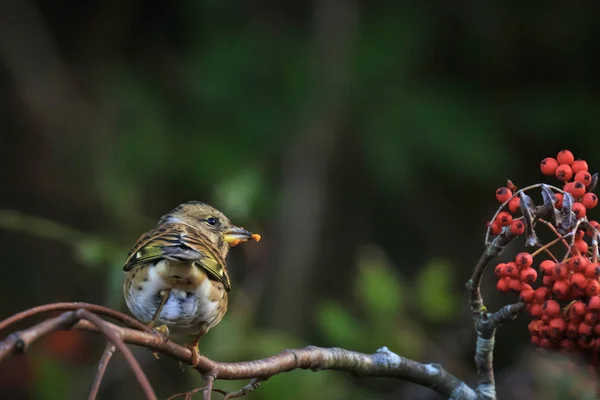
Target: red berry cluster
562,294
565,167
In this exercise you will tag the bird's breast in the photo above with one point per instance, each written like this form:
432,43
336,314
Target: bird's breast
196,303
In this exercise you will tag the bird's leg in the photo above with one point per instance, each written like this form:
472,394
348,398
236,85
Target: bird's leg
162,330
193,346
164,294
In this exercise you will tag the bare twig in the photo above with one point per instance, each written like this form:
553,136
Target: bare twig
250,387
382,363
106,356
114,337
20,341
189,395
97,309
209,380
474,284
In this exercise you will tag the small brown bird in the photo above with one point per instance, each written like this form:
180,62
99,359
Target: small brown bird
176,275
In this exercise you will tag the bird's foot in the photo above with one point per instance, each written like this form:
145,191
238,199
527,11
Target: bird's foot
195,354
163,332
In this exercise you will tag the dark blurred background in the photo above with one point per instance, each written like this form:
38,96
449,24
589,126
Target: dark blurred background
363,139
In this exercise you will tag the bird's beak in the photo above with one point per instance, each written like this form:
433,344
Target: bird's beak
235,235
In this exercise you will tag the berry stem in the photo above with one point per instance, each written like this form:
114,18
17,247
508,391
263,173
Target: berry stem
572,246
547,245
553,229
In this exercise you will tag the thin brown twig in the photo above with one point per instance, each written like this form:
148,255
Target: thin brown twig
114,337
95,308
189,395
553,229
109,350
250,387
574,236
20,341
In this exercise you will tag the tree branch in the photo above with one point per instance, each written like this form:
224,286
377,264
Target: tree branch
109,350
383,363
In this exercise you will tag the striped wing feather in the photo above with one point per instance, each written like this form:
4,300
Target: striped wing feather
180,243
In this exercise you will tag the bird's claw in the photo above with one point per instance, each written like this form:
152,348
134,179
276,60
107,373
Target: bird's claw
195,355
162,331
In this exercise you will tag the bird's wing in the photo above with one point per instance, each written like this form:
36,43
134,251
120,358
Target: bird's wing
177,242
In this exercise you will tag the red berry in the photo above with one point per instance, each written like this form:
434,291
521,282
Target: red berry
542,294
534,327
500,270
572,330
561,289
583,177
579,235
551,308
577,189
548,281
503,194
524,260
504,218
496,228
527,294
517,227
590,318
579,210
579,165
529,275
580,245
579,281
593,288
578,263
514,285
512,269
565,157
514,204
577,312
559,200
560,272
557,324
579,308
548,166
564,172
536,310
590,200
547,266
585,330
594,303
502,284
592,271
568,186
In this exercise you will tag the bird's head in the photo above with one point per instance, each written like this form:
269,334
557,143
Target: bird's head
211,222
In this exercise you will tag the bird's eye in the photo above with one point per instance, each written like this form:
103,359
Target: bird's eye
212,221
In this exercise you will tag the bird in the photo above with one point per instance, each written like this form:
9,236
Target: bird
176,278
